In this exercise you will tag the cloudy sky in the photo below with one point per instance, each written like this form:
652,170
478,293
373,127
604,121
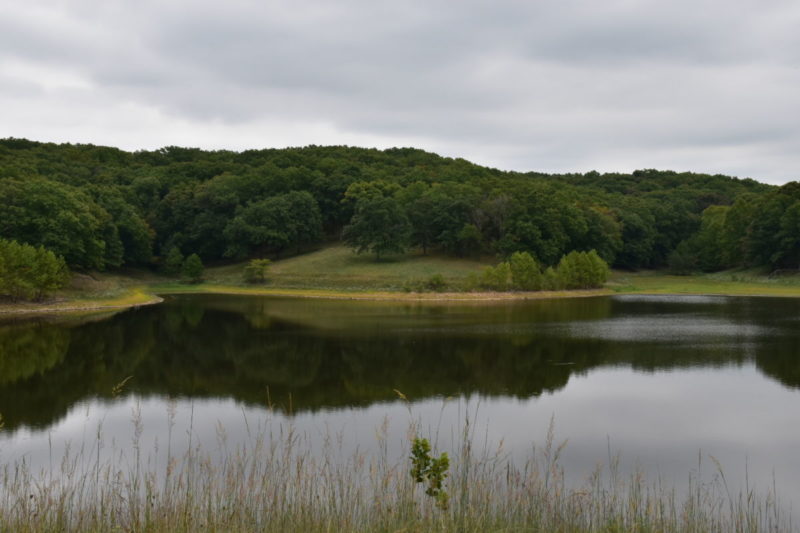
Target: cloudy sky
555,86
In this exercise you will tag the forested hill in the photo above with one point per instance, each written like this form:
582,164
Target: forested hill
101,207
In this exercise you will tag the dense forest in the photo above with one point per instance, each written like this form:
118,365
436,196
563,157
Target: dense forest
102,208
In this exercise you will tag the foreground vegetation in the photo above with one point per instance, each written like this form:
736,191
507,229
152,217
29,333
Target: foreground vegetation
277,482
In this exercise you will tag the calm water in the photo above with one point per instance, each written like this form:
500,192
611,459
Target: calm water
663,381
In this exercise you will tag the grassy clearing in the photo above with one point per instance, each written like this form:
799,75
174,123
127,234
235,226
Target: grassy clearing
732,283
336,272
275,482
338,268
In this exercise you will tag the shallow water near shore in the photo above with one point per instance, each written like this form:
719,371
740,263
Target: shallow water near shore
665,382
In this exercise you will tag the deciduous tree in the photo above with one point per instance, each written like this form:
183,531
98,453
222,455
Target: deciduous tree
378,226
193,269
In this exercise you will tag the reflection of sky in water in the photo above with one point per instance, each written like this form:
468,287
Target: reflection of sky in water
661,422
660,328
670,299
652,327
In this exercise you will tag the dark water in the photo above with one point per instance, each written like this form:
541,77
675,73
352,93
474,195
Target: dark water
661,380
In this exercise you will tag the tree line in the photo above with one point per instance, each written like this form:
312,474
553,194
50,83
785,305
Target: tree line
756,230
102,208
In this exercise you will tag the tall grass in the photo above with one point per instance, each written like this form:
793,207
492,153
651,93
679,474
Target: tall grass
282,481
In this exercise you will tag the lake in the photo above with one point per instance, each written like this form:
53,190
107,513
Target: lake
664,383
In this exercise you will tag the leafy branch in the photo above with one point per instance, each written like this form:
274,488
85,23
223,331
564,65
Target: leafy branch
430,471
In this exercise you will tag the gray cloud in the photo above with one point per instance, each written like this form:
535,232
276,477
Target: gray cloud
556,86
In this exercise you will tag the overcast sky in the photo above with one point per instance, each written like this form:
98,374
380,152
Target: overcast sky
554,86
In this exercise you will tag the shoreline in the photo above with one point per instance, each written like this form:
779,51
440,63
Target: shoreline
375,295
69,306
658,286
153,295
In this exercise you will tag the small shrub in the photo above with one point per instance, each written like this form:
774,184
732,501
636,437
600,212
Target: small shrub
256,271
471,283
436,283
408,286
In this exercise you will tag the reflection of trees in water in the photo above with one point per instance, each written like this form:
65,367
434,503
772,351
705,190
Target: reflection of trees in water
96,356
187,349
29,349
781,362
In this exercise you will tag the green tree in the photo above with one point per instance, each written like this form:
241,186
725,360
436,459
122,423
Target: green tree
193,269
764,232
468,240
48,272
788,252
551,281
603,233
582,270
638,234
526,274
256,271
598,267
129,239
708,243
420,210
735,238
27,272
61,218
496,278
541,219
378,226
370,190
173,263
273,224
683,259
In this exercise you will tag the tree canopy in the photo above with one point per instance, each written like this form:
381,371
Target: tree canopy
101,208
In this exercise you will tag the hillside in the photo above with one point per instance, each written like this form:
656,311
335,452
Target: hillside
103,209
337,267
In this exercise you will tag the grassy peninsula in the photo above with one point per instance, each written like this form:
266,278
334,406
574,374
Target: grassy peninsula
336,272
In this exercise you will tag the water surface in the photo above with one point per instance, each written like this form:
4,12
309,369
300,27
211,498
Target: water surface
665,382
